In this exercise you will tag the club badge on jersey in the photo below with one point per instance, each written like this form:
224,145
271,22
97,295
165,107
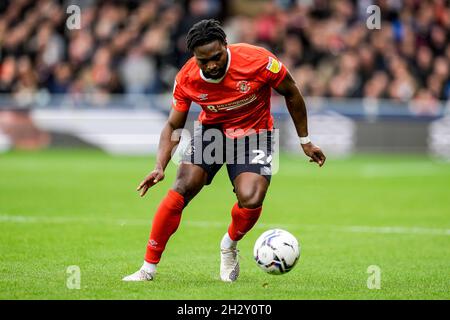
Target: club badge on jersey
243,86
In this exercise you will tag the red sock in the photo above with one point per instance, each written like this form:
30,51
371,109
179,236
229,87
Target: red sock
242,220
165,223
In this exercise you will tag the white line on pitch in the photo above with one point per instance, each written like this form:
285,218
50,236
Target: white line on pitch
211,224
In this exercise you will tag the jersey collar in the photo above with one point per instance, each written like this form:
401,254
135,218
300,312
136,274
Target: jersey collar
220,79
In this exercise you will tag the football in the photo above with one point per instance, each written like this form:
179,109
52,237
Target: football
276,251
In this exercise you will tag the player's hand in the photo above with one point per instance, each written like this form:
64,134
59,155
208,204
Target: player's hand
314,152
153,178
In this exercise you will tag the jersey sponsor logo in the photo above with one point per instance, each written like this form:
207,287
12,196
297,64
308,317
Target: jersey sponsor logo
232,105
243,86
212,108
274,65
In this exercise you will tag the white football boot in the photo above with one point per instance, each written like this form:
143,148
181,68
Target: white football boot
140,275
229,264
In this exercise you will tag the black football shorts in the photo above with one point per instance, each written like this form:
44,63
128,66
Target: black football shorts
210,148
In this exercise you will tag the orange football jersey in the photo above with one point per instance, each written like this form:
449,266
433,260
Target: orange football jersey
239,100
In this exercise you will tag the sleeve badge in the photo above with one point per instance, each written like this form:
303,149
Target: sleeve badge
274,65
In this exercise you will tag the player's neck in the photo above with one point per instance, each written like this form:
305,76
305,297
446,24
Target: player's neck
211,80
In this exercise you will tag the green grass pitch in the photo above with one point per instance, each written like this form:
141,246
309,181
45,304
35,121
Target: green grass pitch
63,208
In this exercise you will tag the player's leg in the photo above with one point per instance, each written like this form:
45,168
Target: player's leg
250,189
193,173
251,181
250,176
189,181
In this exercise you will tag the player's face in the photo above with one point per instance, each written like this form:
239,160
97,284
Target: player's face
212,58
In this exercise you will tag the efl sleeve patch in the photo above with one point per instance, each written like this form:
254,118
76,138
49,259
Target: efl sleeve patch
274,65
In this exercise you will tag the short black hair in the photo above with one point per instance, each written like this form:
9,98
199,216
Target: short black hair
204,32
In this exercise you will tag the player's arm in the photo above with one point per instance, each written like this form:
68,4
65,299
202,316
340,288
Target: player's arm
297,109
167,143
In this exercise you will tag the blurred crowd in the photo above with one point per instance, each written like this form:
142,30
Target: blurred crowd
121,47
138,46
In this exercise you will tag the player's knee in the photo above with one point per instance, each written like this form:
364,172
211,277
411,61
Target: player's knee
182,187
188,189
251,200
